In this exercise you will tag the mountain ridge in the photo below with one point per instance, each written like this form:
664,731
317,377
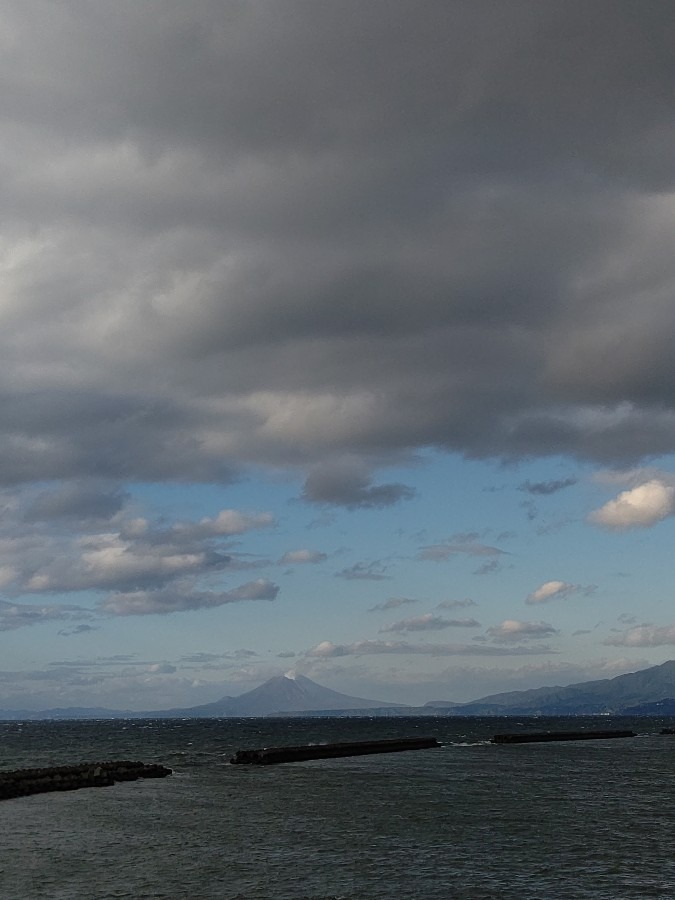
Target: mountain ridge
606,695
647,692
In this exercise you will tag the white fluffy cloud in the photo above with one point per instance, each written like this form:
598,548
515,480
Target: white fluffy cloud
639,507
551,590
62,541
136,555
107,561
556,590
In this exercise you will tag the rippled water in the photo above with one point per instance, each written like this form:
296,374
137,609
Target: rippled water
471,820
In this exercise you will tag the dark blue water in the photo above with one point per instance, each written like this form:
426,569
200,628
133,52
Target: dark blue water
470,820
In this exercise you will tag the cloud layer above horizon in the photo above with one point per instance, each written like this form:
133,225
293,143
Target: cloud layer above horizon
444,220
317,245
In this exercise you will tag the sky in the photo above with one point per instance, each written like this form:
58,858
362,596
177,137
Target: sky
336,338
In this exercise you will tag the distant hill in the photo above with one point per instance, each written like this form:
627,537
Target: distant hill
441,704
66,712
623,694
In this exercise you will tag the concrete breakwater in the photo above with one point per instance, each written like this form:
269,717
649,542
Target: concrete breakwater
534,737
267,756
23,782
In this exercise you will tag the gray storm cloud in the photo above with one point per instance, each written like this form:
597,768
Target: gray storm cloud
293,233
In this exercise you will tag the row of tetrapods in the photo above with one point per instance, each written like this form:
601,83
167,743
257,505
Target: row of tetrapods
23,782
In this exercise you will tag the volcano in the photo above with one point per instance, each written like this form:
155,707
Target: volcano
289,693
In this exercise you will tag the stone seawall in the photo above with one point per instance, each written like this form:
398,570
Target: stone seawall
266,756
23,782
538,737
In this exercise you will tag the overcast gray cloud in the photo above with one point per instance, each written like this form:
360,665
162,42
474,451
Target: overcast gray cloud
78,501
456,604
451,548
365,571
79,629
392,603
283,233
328,650
179,599
322,244
429,622
513,630
227,523
19,615
300,557
545,488
644,636
347,483
491,567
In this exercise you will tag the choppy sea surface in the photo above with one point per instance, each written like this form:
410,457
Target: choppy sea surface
470,820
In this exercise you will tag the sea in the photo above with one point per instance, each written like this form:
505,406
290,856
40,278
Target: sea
470,820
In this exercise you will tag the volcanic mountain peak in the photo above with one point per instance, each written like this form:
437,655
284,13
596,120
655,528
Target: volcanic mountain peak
280,694
284,693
